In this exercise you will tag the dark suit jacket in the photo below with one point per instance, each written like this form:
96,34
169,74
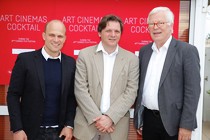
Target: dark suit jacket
26,93
179,87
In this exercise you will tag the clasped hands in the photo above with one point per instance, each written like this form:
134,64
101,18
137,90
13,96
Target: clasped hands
104,124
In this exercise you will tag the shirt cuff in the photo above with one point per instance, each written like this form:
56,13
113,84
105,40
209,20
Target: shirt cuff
69,127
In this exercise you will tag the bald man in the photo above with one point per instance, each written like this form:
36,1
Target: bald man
41,101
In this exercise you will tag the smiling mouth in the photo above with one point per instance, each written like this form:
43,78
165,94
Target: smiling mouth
157,33
112,39
56,45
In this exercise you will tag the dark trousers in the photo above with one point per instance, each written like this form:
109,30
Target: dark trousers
153,128
48,134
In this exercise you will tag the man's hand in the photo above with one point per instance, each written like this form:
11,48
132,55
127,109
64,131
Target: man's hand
67,132
20,135
139,131
184,134
104,124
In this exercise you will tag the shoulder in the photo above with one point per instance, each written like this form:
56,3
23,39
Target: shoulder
186,47
147,49
67,58
126,52
128,55
88,50
28,55
185,50
148,46
181,43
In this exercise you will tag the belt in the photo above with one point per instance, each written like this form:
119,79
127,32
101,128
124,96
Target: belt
55,127
156,113
49,130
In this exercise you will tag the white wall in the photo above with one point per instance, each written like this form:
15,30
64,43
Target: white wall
197,37
206,97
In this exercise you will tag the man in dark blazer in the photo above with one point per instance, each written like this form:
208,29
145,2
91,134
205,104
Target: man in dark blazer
40,98
169,87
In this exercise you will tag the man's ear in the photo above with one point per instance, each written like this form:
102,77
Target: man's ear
43,35
99,34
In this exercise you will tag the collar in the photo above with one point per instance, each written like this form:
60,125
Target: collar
46,55
101,48
165,46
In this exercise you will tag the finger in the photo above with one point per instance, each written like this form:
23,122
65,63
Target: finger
104,130
179,137
139,132
108,131
111,130
67,138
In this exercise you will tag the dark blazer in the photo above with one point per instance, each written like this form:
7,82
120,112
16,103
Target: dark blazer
179,87
26,93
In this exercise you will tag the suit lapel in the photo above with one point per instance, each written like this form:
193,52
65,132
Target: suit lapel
98,60
168,61
118,66
39,68
64,69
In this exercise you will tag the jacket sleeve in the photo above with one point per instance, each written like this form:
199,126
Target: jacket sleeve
14,94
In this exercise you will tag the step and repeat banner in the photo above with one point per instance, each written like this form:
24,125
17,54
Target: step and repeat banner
22,23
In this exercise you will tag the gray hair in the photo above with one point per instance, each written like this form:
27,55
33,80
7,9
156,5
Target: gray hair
169,14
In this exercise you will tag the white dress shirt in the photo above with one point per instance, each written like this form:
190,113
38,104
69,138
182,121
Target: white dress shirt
153,75
109,60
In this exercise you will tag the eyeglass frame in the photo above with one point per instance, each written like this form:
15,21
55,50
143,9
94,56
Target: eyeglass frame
158,24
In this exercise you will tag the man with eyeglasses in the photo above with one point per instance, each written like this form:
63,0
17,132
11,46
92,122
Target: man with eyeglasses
169,85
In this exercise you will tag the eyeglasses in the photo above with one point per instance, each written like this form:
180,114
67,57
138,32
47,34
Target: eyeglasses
158,24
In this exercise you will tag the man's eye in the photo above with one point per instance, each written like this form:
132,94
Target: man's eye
51,35
60,36
108,31
117,32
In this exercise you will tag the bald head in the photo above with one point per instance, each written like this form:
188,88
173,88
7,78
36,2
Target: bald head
55,23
